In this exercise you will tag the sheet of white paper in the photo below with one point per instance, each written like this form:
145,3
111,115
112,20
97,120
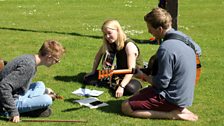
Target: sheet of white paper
87,102
87,92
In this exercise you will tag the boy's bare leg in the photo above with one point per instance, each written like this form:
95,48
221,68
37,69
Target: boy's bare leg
176,114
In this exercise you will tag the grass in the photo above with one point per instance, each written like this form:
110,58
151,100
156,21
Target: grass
25,24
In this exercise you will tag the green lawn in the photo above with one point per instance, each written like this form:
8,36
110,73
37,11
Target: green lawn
25,24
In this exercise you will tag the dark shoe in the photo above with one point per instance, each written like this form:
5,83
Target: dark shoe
91,79
44,112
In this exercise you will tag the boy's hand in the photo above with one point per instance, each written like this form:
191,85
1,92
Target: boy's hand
15,119
138,74
49,91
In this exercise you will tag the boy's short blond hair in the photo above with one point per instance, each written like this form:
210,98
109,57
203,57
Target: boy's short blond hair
53,48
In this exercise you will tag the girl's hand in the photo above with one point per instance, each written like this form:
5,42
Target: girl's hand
119,92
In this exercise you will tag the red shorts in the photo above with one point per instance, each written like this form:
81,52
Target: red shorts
148,99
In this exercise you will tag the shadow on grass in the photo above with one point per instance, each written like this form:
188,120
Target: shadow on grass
72,109
73,78
3,118
72,34
79,78
113,107
71,100
56,32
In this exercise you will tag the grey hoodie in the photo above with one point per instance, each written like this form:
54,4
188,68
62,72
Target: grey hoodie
15,79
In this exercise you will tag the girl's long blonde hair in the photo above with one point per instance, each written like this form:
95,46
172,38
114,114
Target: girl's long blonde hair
121,36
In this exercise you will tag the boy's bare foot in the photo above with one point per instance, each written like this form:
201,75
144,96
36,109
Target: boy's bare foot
185,114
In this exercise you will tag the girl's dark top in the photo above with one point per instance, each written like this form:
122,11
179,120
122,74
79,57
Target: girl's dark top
121,56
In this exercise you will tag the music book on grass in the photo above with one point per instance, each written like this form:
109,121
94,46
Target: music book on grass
91,102
87,92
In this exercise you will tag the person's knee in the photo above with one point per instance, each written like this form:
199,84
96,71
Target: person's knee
34,103
39,84
126,108
132,87
47,100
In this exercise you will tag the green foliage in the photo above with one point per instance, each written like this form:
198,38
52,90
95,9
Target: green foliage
25,24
